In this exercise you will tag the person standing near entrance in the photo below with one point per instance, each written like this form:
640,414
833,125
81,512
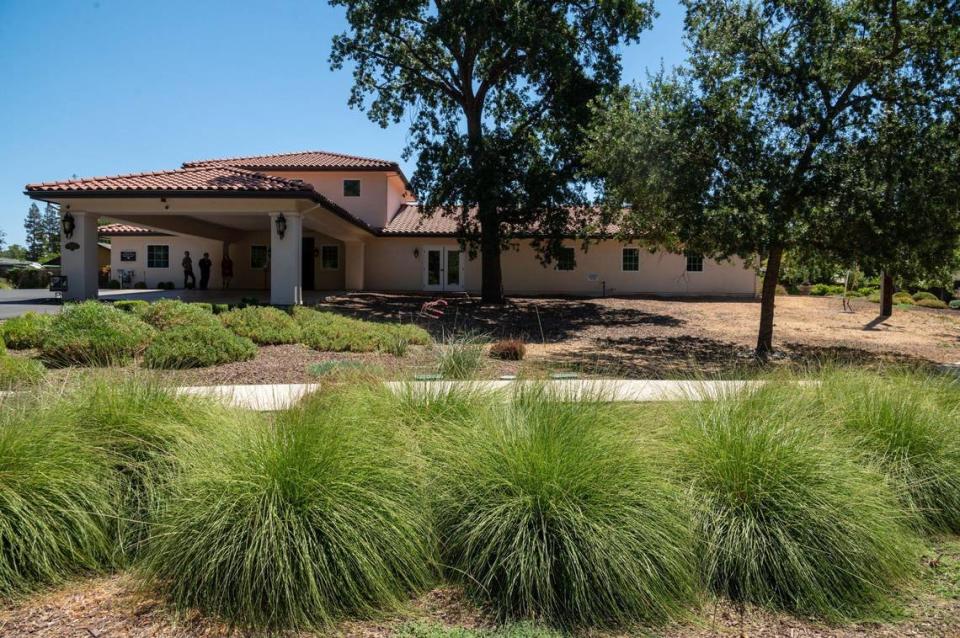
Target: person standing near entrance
205,265
226,270
189,279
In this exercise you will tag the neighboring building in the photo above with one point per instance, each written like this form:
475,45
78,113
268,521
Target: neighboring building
327,221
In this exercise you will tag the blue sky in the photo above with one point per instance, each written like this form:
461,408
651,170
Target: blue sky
119,86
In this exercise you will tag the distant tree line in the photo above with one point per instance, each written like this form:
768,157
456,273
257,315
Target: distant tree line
42,235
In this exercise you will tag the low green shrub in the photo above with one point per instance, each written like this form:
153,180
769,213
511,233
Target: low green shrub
898,423
114,284
20,372
508,350
931,303
823,290
137,424
26,331
460,357
868,291
920,296
207,307
134,306
5,284
330,332
219,308
140,285
295,524
198,345
553,510
874,297
96,334
263,324
954,304
785,515
170,313
56,500
902,298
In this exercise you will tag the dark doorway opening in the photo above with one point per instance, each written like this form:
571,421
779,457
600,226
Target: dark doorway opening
307,260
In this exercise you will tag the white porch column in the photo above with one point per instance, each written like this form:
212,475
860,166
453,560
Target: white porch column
353,275
78,255
286,278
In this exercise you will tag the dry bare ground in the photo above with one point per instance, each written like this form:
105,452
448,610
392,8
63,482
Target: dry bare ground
113,607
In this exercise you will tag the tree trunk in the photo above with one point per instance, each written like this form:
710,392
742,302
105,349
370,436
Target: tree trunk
491,287
768,298
886,295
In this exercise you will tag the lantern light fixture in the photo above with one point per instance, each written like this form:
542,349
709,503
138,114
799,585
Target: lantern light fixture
69,224
281,223
416,253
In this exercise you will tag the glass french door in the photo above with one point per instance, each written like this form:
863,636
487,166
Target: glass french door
443,269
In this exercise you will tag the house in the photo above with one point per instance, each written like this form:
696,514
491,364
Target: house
297,222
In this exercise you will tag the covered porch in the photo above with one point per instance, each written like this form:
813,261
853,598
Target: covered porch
284,239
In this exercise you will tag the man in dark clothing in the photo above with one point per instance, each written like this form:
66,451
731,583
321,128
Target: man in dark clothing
189,280
205,265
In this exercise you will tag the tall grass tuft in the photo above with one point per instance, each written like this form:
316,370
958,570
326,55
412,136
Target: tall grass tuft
137,425
908,424
785,515
56,499
553,511
460,357
297,523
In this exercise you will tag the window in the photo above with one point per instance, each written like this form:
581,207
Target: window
631,259
258,257
330,257
351,188
566,259
694,262
158,256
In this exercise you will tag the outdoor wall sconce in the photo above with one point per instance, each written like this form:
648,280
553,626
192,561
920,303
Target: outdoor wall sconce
416,253
281,226
69,224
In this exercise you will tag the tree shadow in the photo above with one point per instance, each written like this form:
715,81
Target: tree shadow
532,319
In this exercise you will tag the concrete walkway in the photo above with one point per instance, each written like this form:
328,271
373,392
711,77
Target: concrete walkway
578,389
254,397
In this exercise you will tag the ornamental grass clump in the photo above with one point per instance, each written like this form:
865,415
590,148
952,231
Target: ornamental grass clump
26,331
295,523
20,372
264,325
555,511
907,423
786,516
137,425
197,346
460,357
56,499
94,334
172,313
330,332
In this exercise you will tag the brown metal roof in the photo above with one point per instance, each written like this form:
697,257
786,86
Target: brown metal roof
197,179
304,160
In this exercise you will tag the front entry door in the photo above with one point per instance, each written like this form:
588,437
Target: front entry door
443,269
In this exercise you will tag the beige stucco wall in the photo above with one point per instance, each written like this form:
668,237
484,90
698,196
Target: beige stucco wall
379,194
245,277
391,265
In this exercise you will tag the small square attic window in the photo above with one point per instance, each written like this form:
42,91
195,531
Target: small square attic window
351,188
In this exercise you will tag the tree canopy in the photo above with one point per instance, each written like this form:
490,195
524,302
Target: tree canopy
496,92
744,150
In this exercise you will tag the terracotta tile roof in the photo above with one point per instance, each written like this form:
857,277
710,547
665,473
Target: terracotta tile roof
304,160
199,179
125,229
408,221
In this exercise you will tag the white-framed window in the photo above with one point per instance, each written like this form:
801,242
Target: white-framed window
330,257
259,256
566,259
630,260
694,262
158,256
351,188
